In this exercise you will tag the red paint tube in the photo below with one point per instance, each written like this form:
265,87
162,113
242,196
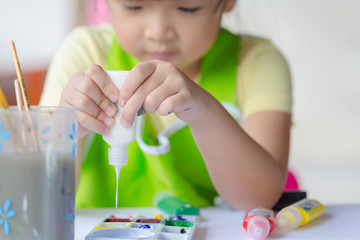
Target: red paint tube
259,222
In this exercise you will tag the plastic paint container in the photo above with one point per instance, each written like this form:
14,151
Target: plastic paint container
119,137
259,222
298,214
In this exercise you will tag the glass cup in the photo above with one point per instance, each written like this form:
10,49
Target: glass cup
37,173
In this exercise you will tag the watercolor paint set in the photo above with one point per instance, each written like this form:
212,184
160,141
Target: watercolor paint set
120,226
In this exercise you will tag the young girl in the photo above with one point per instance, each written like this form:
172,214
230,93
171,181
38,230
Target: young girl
184,69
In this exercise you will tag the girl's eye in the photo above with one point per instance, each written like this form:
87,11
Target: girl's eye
189,10
131,8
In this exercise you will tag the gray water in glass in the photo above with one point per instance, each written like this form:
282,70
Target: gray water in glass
37,188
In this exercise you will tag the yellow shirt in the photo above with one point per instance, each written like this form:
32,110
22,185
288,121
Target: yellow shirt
263,76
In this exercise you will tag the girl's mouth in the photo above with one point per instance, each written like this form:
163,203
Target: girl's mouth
162,55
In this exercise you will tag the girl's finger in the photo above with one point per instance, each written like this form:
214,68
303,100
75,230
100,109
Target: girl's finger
158,95
89,122
138,98
88,87
167,106
130,110
85,104
103,81
178,104
136,77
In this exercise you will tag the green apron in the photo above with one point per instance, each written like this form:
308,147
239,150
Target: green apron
181,171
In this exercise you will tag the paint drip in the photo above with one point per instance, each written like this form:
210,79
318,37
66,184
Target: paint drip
117,172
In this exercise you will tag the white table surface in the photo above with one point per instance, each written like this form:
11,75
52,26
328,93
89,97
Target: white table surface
339,222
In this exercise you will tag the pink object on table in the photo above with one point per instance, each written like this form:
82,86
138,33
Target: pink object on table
291,182
97,12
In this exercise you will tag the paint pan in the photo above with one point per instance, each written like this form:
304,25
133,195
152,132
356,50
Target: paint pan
176,227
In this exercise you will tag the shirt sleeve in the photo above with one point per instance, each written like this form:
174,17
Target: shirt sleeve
82,47
264,79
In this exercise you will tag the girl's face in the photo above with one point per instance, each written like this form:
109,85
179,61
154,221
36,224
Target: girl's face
177,31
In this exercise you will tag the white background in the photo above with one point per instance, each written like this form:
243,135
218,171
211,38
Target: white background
320,39
37,28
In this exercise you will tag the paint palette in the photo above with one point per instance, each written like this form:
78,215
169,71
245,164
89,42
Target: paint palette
144,227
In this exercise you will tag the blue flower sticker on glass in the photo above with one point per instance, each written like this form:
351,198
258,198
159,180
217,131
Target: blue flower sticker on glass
70,215
5,215
41,134
73,137
4,135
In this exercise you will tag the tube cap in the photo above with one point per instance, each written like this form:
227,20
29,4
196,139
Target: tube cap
288,219
118,155
258,227
173,205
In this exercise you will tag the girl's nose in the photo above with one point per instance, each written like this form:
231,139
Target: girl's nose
160,28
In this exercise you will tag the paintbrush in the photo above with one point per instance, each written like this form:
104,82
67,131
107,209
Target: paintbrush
21,119
24,97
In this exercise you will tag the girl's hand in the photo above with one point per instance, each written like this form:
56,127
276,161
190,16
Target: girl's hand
93,94
159,86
